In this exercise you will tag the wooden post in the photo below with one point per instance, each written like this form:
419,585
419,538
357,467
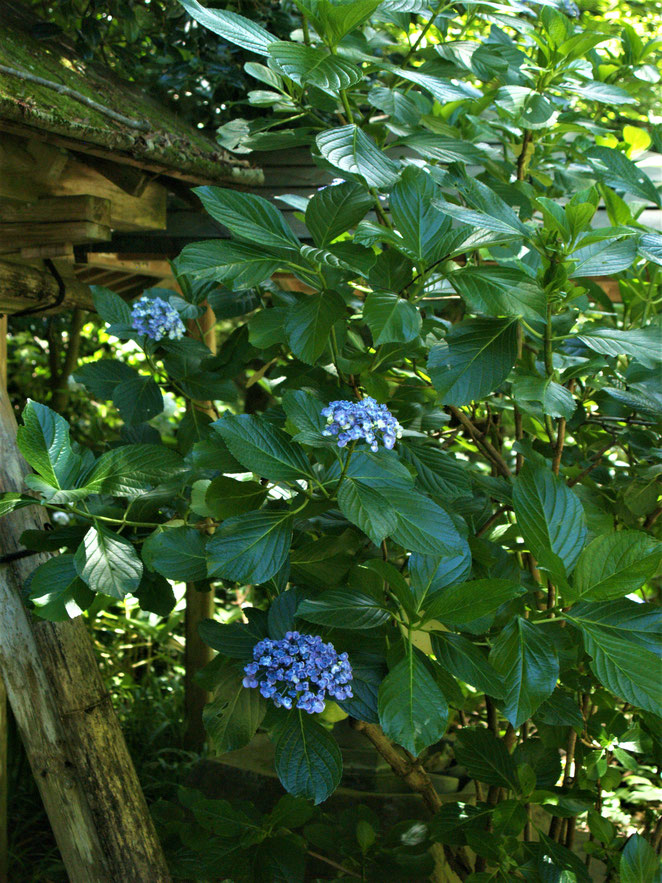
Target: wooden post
66,720
199,605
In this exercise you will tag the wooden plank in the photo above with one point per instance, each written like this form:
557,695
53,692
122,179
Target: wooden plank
128,263
23,286
130,179
66,720
28,167
13,237
55,209
64,250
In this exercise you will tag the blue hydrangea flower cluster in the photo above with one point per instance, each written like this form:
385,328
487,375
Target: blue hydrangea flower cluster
157,319
299,671
365,419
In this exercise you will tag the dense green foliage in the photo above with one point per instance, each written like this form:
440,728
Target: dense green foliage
493,578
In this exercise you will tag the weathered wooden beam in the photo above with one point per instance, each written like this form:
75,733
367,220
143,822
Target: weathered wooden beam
13,237
128,178
66,720
23,286
129,263
55,209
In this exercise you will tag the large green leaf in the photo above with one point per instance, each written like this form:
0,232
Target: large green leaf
262,448
308,324
308,65
348,148
333,210
526,659
643,344
456,605
442,90
344,608
11,501
430,574
108,563
248,217
234,713
226,496
437,472
308,760
624,619
626,667
44,441
550,517
138,399
475,358
417,220
335,18
499,291
604,258
467,663
367,508
391,318
486,758
423,526
614,565
132,468
250,548
413,711
236,264
101,377
555,400
639,862
232,27
177,553
445,150
621,173
57,591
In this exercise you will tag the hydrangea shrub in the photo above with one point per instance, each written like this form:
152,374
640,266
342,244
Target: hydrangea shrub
435,472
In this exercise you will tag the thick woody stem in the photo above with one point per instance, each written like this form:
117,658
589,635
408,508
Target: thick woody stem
484,443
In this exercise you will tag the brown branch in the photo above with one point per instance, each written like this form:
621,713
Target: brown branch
573,481
336,865
560,441
141,125
483,443
652,518
414,774
61,391
490,521
524,158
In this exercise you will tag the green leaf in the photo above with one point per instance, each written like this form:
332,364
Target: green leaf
430,573
234,713
467,663
350,149
550,517
57,591
475,358
132,468
335,18
367,508
650,247
621,173
44,441
250,548
486,758
505,222
308,324
456,605
304,411
236,264
226,496
623,639
232,27
262,448
445,150
391,319
603,92
138,399
108,563
639,862
155,594
344,608
248,217
614,565
10,501
437,472
604,258
499,291
420,224
526,659
101,377
236,639
112,309
423,526
442,90
177,553
308,760
556,400
308,65
643,344
413,711
333,210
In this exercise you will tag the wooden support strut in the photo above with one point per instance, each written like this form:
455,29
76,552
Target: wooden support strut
66,720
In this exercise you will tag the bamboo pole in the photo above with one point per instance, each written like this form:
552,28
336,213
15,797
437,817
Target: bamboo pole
66,720
199,605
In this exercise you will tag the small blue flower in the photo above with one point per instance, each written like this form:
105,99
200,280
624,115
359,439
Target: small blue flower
155,318
299,671
365,419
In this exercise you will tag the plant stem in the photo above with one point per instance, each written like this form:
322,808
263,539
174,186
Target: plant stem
485,444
